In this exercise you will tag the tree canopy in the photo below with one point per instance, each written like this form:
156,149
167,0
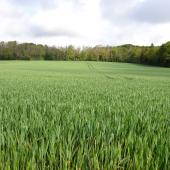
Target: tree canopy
152,55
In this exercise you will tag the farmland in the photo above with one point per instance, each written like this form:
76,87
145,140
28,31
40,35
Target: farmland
84,115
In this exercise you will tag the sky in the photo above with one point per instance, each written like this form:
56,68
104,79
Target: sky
85,22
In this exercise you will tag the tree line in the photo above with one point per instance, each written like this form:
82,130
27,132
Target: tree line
152,55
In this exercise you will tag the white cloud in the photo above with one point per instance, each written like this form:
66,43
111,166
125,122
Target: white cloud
85,22
65,20
13,21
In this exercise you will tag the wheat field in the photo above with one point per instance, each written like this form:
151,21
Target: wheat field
84,115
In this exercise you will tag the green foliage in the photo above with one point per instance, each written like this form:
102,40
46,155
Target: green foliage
164,54
152,55
84,115
70,53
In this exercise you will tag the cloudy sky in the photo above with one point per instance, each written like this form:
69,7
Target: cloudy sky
85,22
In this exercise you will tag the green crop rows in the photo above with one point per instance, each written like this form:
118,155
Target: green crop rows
84,115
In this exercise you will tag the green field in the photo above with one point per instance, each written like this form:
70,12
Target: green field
84,115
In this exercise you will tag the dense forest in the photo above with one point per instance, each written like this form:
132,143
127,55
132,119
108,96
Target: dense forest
152,55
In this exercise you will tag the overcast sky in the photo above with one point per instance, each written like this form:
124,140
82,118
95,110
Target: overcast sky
85,22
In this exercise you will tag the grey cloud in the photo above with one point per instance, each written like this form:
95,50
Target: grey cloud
116,10
41,32
148,11
152,11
